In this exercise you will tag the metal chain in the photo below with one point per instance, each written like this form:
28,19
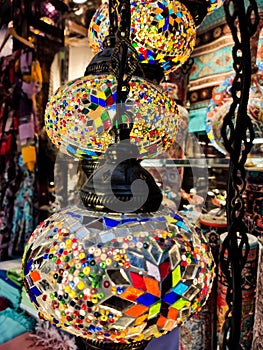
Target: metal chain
238,134
124,59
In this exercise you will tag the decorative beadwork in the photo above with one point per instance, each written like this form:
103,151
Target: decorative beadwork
79,117
117,277
161,31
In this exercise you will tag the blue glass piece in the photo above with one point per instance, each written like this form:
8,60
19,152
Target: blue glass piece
136,260
180,288
182,225
171,298
110,222
94,99
28,266
71,149
147,299
32,297
128,220
102,102
35,291
177,217
160,218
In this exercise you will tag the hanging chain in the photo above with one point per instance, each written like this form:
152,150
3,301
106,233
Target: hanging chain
238,134
124,59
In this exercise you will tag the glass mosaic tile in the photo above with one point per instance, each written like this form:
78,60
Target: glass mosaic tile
118,276
147,299
117,303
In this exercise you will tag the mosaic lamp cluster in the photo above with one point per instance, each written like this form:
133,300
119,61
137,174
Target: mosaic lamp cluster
80,116
117,278
220,103
162,32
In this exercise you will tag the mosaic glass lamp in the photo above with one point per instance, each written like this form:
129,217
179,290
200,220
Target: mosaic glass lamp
114,278
162,32
79,117
220,103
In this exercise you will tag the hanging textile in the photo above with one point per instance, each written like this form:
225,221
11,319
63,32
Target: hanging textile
20,81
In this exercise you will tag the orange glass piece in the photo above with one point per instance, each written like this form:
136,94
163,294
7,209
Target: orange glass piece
173,313
140,319
35,275
161,321
131,293
152,286
136,310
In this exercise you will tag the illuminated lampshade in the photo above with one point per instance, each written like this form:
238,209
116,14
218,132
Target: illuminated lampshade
119,278
213,5
171,90
220,103
162,32
80,116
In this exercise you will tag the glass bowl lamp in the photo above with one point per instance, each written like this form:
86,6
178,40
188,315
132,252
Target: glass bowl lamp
80,116
162,32
117,278
220,103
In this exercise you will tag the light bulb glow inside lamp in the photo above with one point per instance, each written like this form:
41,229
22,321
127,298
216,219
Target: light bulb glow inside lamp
122,269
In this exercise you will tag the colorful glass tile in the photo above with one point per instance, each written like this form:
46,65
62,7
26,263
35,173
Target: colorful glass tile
154,309
176,275
147,299
166,36
171,298
179,304
83,132
137,281
131,293
140,319
173,313
136,310
152,286
180,288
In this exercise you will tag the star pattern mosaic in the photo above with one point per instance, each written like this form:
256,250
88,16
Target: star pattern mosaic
80,116
161,32
117,277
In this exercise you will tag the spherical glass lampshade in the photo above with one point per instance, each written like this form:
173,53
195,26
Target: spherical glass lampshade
80,116
213,5
117,277
161,32
221,101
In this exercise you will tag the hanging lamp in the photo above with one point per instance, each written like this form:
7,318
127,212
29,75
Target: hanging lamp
120,269
162,32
